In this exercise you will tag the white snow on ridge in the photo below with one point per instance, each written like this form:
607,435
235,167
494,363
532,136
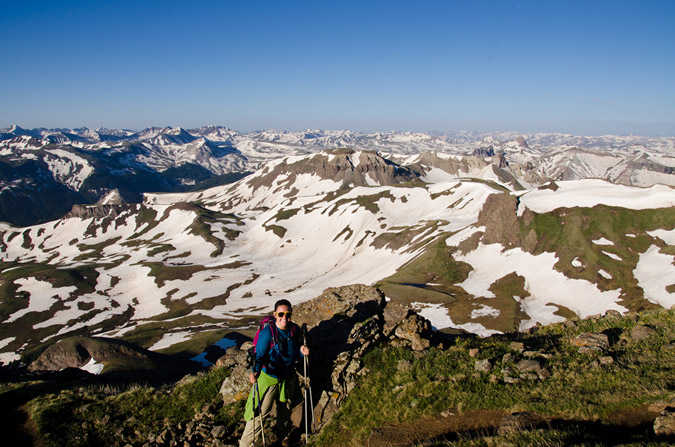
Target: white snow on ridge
603,241
666,236
589,193
65,164
547,286
655,271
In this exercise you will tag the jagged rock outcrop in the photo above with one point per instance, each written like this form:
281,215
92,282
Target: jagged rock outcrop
484,152
98,211
357,168
343,324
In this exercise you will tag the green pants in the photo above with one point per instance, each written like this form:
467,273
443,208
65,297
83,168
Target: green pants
268,397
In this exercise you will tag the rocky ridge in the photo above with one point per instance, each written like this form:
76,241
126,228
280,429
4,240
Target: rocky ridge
343,324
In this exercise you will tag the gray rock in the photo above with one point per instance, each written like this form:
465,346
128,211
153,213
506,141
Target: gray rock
664,424
218,431
528,365
591,342
393,314
234,356
236,387
356,301
543,374
415,329
483,365
517,346
606,360
640,332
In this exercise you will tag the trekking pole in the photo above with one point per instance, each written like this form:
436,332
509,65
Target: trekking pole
262,427
255,407
309,403
306,403
311,399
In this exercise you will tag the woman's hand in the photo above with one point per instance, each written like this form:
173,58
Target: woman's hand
304,350
253,377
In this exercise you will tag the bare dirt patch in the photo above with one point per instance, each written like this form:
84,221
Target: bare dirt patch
432,427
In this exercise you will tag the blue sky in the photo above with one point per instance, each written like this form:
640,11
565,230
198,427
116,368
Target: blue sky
588,68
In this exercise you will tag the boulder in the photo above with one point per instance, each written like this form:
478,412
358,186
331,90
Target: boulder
591,342
664,424
393,314
415,329
641,332
483,365
236,386
235,356
349,302
528,365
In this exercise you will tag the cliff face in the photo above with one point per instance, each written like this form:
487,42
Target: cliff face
98,211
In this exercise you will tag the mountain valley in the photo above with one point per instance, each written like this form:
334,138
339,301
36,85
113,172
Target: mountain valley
474,242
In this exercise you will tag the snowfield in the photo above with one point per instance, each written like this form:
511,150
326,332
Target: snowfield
656,271
547,287
589,193
232,251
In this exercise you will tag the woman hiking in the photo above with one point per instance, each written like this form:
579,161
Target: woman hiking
277,349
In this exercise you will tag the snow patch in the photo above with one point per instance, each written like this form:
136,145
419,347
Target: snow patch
667,236
437,314
612,255
547,286
170,339
604,274
485,311
603,241
43,295
93,367
8,357
655,271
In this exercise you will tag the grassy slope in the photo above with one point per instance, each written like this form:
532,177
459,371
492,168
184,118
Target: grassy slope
582,394
566,232
579,390
95,415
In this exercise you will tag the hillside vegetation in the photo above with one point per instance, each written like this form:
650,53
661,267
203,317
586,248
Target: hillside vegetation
596,382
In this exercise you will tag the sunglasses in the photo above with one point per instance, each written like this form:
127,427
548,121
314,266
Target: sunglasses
282,314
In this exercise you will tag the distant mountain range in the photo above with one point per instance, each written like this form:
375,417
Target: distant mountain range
477,237
44,172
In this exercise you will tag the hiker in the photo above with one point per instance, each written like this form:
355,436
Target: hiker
277,349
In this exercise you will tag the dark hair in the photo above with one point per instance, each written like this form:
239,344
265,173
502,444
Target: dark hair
282,303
